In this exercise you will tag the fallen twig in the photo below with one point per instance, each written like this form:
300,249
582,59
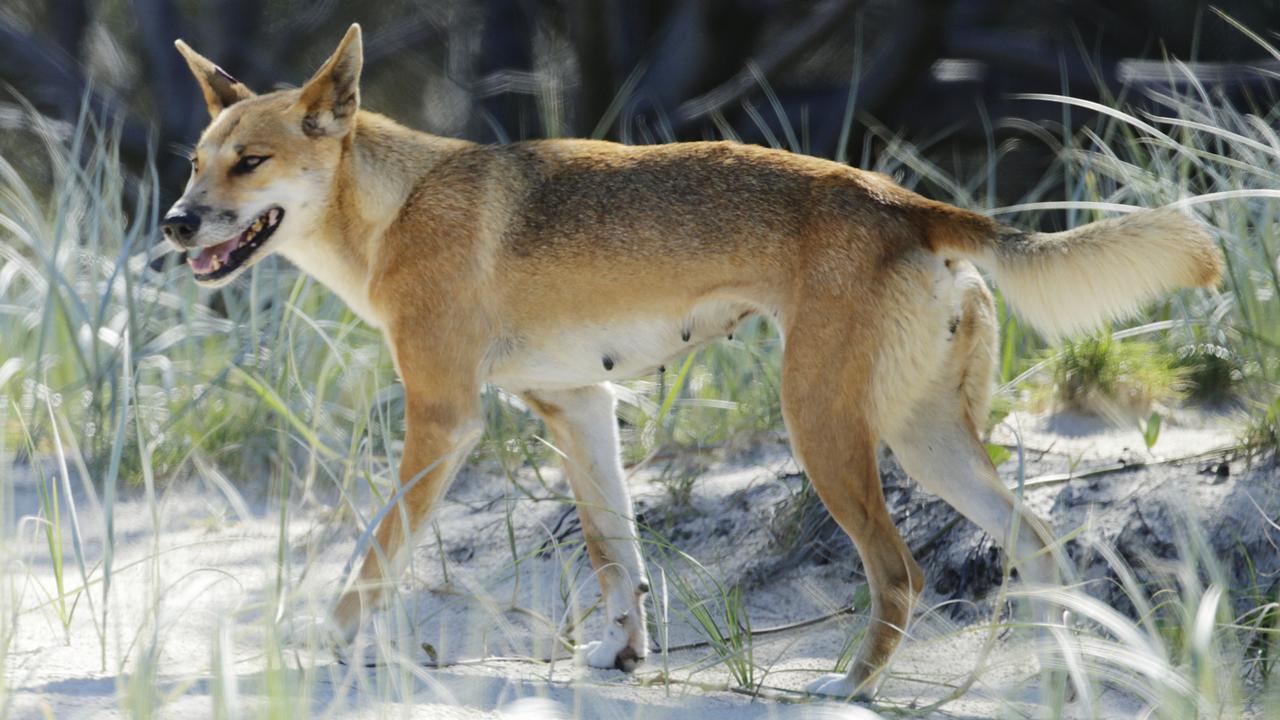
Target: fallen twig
1123,466
770,631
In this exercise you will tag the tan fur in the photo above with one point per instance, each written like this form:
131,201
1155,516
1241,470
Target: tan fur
555,266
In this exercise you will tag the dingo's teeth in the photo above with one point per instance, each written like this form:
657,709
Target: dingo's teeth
228,256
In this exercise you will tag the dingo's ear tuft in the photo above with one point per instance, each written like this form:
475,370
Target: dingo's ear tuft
331,97
219,88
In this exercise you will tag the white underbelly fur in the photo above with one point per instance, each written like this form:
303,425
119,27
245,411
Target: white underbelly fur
578,355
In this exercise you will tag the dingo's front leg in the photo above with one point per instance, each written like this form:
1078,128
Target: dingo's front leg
585,428
443,422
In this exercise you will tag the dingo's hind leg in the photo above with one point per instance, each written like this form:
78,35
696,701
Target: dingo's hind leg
824,386
938,443
946,457
940,449
585,428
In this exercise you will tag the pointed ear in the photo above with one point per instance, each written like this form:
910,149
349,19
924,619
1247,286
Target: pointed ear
220,89
331,97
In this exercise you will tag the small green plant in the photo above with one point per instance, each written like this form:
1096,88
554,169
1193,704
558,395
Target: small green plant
678,482
1211,373
729,635
800,520
1111,378
51,522
1262,433
1151,430
998,453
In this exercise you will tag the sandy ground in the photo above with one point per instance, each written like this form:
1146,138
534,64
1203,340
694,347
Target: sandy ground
194,594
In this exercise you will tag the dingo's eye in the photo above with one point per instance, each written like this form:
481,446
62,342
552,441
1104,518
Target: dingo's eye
248,164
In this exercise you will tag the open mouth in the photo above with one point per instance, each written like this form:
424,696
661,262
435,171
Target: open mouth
219,261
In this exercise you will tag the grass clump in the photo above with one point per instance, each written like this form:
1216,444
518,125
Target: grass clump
1212,374
1103,376
1181,657
678,482
1262,433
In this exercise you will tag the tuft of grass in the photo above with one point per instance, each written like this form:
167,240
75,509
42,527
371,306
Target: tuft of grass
1211,374
803,529
1103,376
1182,656
678,483
1261,434
715,609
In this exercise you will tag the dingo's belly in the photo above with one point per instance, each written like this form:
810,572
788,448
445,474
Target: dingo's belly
582,354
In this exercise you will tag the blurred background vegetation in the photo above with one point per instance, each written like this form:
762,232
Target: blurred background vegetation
941,73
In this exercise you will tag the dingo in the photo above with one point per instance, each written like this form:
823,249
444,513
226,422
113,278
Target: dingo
552,267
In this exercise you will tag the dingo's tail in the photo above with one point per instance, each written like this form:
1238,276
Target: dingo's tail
1075,280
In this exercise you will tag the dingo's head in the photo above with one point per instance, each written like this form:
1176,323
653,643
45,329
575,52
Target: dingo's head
264,169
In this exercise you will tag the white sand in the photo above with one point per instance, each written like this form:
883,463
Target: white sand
208,579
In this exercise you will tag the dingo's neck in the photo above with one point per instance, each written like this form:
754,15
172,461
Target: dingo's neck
379,170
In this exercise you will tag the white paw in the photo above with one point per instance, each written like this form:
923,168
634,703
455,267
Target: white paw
835,685
600,654
533,708
609,654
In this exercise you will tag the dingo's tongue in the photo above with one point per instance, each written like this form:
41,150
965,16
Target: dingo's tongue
213,257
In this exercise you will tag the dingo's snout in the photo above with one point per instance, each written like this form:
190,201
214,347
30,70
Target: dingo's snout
179,227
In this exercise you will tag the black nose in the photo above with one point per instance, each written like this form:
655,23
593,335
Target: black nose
180,227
